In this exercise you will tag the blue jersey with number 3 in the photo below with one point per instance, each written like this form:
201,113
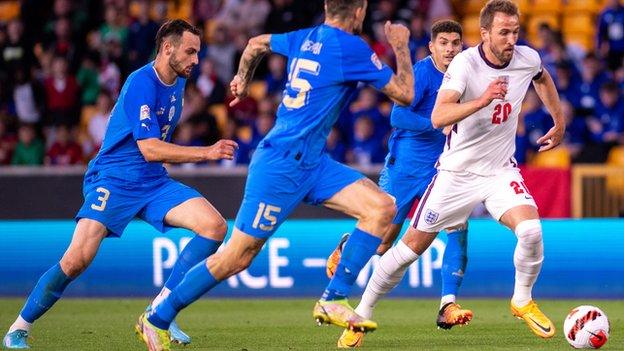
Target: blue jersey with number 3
146,108
325,65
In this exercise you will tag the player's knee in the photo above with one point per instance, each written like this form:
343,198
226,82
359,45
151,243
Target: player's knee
73,266
384,209
529,231
213,228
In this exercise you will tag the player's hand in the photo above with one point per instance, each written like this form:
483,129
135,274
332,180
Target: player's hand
239,88
496,90
397,34
552,138
222,149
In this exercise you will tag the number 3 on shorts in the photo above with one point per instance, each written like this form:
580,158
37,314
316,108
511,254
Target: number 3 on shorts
105,194
269,211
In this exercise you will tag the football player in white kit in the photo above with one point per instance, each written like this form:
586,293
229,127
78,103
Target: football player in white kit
478,105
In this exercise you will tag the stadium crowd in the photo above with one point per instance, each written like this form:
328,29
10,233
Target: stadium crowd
63,62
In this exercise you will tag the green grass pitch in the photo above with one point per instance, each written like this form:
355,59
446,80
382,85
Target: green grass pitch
286,324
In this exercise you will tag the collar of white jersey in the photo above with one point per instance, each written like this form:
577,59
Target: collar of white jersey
490,63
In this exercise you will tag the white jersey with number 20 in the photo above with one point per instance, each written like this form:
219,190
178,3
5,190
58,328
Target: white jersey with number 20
484,142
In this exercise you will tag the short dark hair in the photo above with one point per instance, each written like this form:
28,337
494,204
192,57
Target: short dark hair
486,17
610,87
342,8
174,28
445,26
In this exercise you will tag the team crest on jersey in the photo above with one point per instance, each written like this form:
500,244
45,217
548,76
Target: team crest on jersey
431,216
145,112
376,61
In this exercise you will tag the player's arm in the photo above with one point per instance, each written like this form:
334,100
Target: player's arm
400,88
448,110
255,50
546,90
156,150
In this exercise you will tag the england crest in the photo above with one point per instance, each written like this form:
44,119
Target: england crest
431,216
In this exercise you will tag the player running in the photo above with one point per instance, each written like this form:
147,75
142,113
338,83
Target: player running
325,63
414,148
127,179
480,99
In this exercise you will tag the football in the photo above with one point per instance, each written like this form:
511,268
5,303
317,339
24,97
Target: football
586,327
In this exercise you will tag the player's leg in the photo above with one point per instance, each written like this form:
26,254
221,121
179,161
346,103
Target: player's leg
512,204
86,240
177,205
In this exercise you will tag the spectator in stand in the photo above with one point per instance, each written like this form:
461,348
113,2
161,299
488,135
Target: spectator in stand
283,18
204,10
115,26
109,75
366,148
29,150
276,78
62,95
7,143
576,135
607,124
243,153
209,84
419,38
221,52
141,35
27,97
367,104
64,151
15,53
244,15
262,126
335,146
593,76
87,78
62,43
96,128
611,34
535,122
195,112
567,85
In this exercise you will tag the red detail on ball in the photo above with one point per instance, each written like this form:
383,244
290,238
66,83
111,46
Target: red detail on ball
598,339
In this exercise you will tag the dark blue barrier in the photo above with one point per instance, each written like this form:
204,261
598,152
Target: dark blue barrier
584,258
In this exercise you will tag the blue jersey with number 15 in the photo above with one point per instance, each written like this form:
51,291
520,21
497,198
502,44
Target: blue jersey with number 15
325,65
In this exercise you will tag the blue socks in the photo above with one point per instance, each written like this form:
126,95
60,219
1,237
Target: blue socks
48,290
360,247
195,251
196,282
454,261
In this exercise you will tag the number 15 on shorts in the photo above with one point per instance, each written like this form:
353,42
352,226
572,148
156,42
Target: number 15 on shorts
268,213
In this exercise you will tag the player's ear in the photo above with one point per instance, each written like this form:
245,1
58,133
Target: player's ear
484,34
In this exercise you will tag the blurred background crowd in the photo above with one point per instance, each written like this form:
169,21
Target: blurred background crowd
63,62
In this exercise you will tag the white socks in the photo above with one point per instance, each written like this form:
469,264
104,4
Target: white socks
446,299
160,297
21,324
528,258
388,273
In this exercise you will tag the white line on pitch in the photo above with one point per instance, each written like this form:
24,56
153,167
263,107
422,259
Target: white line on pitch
314,262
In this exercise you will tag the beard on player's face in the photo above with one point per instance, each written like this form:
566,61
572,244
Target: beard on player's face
178,67
503,54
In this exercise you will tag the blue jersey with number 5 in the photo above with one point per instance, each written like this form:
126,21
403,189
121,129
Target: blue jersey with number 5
146,108
325,65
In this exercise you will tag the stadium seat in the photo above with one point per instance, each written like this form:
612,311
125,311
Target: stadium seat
258,90
472,39
219,111
616,156
558,157
582,6
537,19
244,133
586,41
472,7
470,25
578,23
9,10
525,7
547,7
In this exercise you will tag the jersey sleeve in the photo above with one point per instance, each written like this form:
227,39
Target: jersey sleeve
280,43
361,64
456,75
536,63
139,105
421,84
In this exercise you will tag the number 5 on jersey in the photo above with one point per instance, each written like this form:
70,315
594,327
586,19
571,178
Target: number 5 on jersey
302,86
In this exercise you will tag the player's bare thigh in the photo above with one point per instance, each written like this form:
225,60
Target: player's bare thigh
86,240
235,256
518,214
198,215
365,201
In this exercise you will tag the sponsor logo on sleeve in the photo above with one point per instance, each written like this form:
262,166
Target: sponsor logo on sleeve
375,60
145,112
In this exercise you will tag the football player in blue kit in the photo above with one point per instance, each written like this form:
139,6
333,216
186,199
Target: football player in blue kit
127,179
325,65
